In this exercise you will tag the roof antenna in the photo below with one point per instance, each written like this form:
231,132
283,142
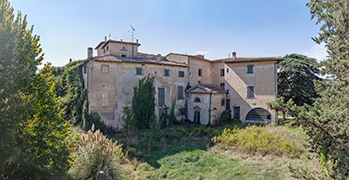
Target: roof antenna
132,33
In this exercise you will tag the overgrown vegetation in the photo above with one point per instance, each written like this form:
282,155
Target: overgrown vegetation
326,121
30,116
98,157
255,139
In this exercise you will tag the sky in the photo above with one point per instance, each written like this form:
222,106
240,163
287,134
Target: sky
215,28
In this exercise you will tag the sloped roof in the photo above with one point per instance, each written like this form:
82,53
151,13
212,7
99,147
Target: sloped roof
103,43
251,59
112,58
206,88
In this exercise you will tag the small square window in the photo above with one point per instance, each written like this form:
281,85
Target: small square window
181,111
222,72
249,69
222,102
222,85
200,72
105,69
167,72
180,73
139,71
123,55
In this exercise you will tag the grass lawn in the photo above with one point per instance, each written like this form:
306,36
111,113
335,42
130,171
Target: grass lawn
187,152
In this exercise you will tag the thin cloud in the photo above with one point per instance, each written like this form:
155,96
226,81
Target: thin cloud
202,52
317,51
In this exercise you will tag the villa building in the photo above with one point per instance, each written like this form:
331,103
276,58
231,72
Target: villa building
201,88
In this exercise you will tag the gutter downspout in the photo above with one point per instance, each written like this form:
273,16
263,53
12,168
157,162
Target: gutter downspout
209,110
186,94
275,91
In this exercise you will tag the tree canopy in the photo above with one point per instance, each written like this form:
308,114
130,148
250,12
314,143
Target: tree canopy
296,77
33,129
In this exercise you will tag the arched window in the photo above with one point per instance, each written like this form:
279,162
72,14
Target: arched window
258,114
123,48
197,100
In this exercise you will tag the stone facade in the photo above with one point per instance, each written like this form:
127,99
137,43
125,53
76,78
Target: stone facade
220,84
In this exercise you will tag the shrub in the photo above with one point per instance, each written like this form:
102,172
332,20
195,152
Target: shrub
98,157
93,118
255,139
225,118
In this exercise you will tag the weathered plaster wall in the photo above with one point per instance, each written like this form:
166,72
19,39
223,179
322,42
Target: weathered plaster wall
110,92
177,58
262,79
216,107
194,65
203,106
215,73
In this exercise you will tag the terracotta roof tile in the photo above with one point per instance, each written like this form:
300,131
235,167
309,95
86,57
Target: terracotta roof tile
249,59
112,58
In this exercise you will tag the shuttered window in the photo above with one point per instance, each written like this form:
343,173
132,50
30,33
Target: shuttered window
180,92
250,92
249,69
139,71
161,96
180,73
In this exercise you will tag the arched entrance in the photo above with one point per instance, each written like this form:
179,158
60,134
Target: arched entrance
258,114
197,114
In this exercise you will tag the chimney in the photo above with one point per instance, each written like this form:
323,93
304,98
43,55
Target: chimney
137,41
89,52
105,38
158,57
234,55
70,60
121,40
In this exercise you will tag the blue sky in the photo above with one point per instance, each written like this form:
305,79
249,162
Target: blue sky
252,28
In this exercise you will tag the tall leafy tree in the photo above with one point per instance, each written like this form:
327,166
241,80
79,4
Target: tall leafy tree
32,145
296,77
143,103
326,121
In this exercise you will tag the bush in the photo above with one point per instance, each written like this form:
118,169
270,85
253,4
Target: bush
225,118
98,157
93,118
255,139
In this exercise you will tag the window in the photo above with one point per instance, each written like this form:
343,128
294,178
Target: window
105,69
180,73
199,82
222,72
227,91
180,92
85,69
107,48
167,72
222,85
197,100
227,70
250,92
249,69
181,111
123,55
123,48
200,72
139,71
161,96
222,102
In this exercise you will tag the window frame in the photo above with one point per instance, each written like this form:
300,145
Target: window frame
161,96
200,72
168,72
221,72
222,85
250,69
180,73
222,102
141,71
105,69
250,92
180,92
